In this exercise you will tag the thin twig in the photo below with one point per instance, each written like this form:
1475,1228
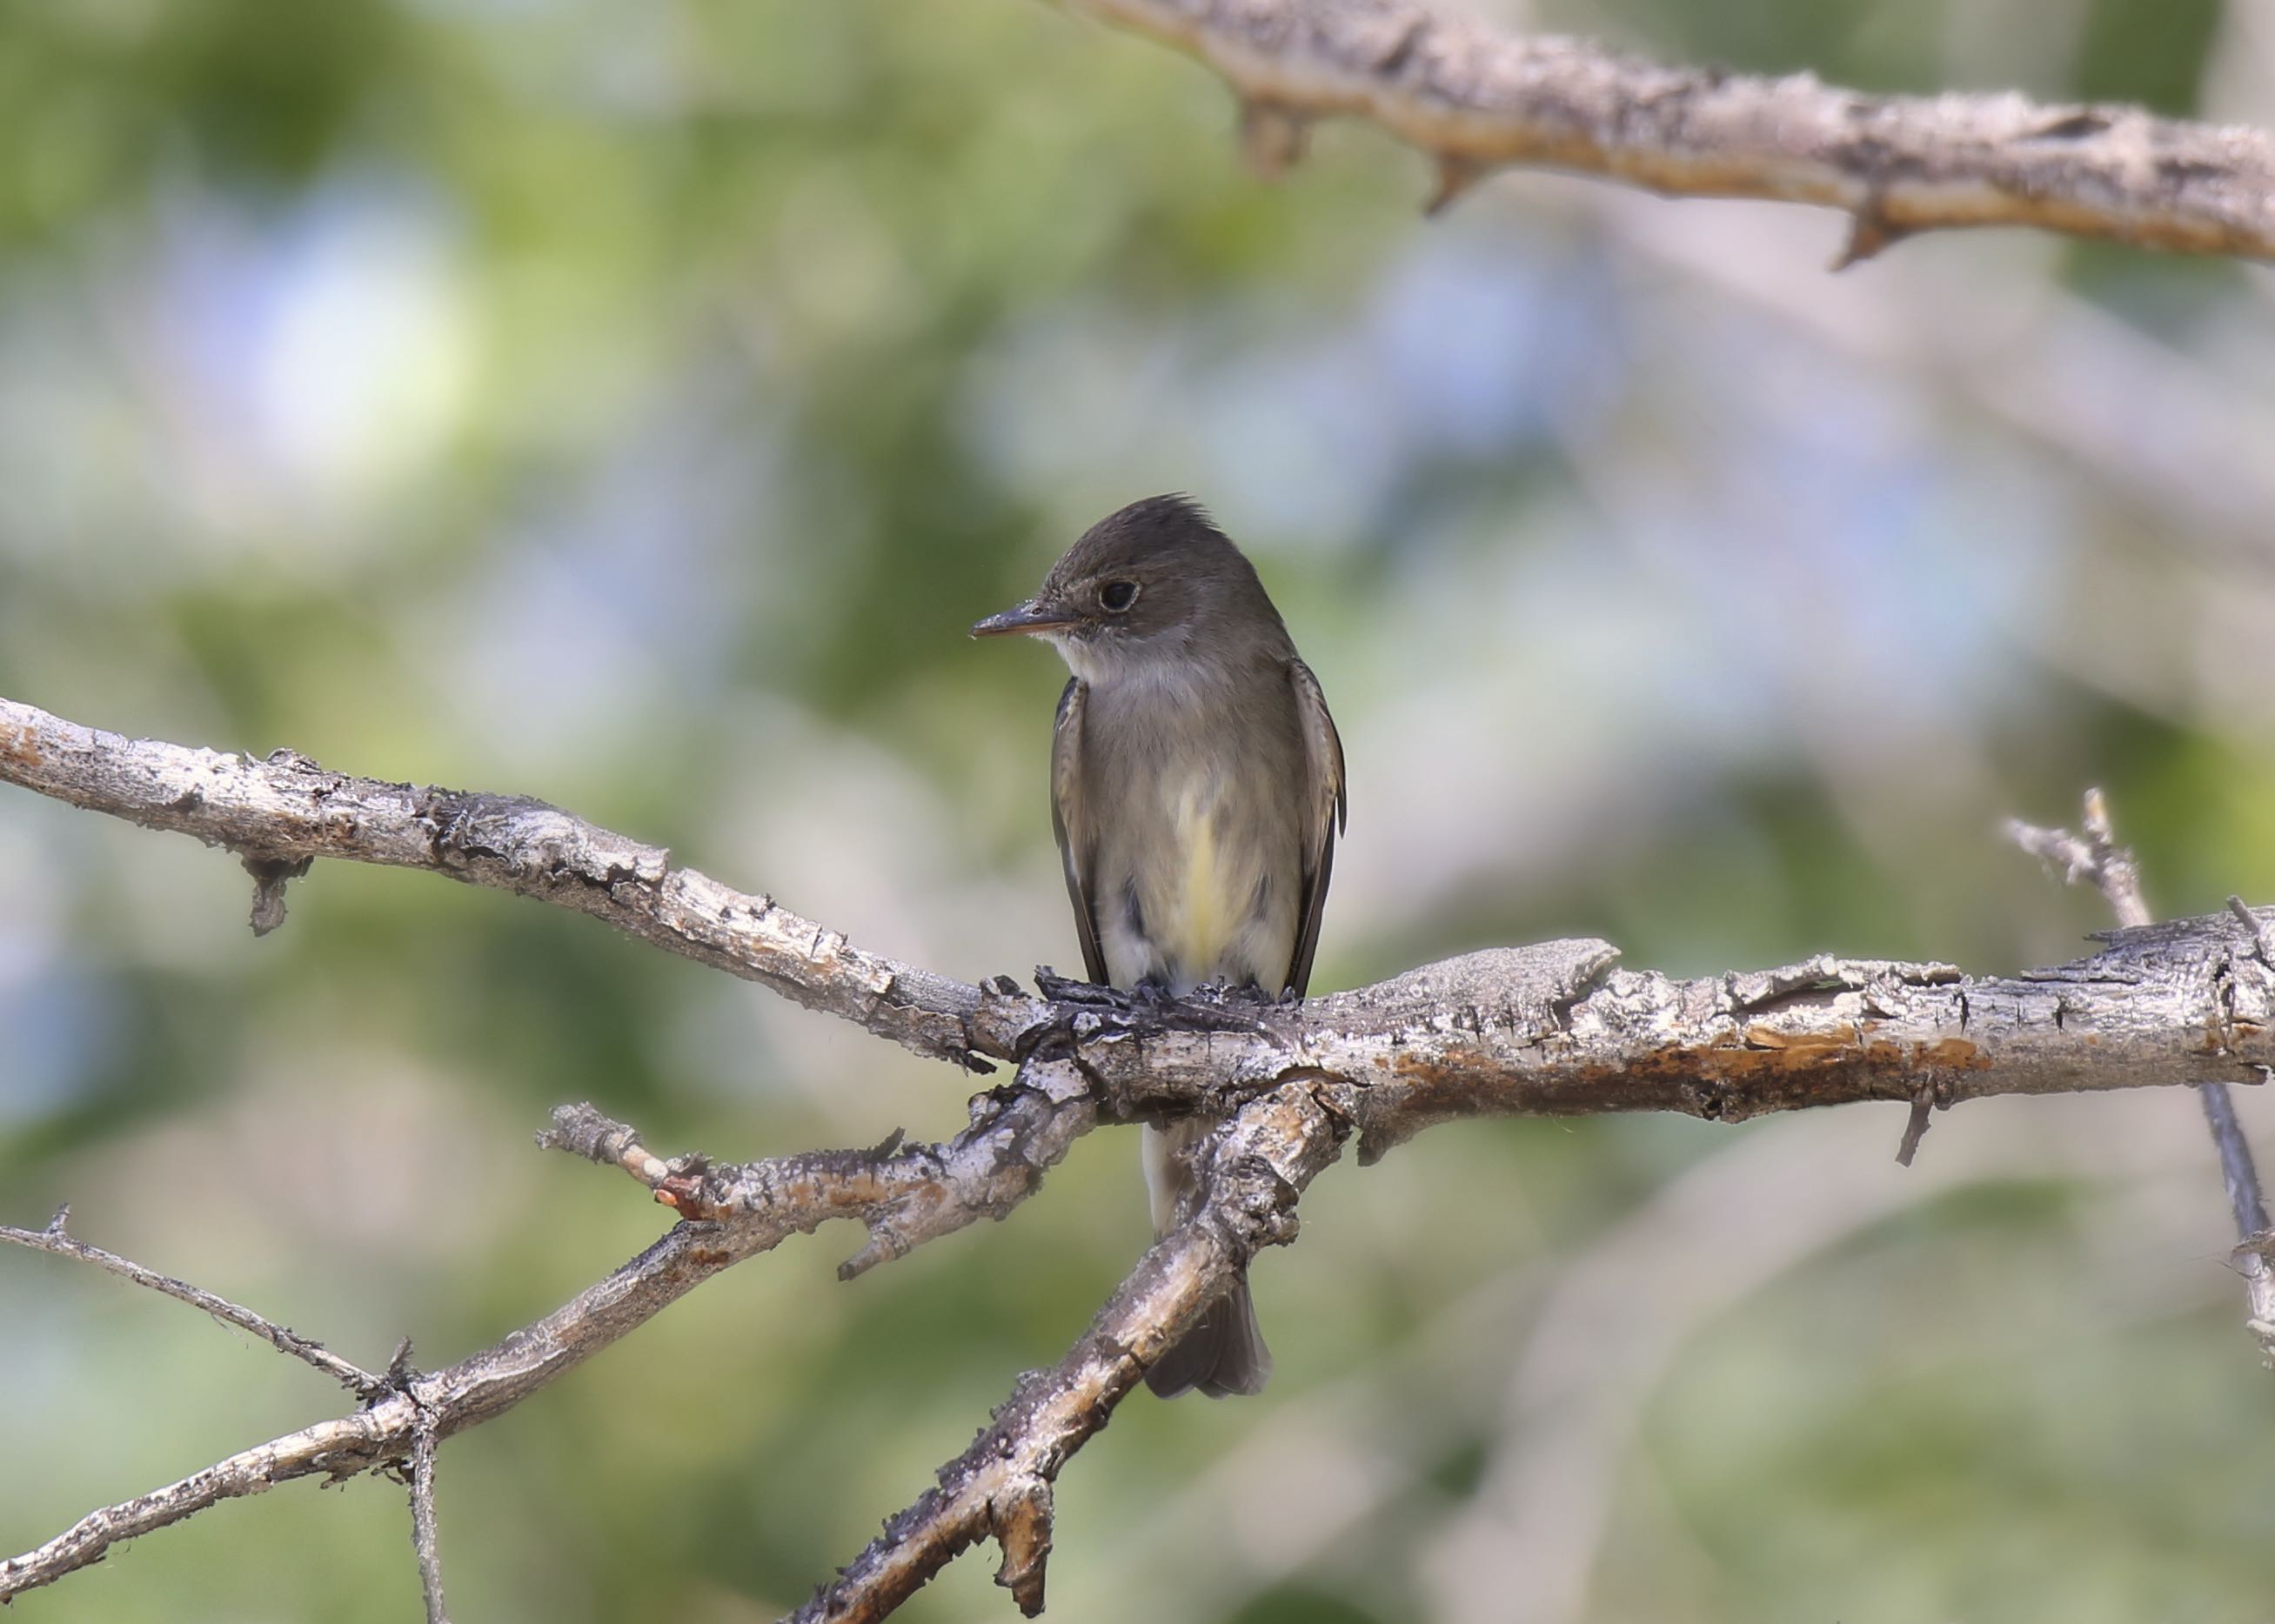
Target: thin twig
335,1449
53,1239
2255,1243
2112,868
2263,940
2236,1169
425,1538
2255,1252
920,1191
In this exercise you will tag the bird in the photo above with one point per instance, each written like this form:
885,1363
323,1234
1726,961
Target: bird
1197,793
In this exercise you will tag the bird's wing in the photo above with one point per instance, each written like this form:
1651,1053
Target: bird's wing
1325,811
1077,847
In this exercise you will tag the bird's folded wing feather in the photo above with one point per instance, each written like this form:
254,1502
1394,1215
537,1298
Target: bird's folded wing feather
1325,811
1077,847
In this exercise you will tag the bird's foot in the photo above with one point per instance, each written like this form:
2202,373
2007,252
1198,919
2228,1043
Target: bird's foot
1068,990
1212,1006
1230,994
1221,1006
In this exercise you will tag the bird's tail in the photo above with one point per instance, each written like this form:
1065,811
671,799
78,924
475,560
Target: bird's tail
1223,1356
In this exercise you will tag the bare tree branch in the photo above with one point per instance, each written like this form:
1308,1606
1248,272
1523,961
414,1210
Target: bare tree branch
282,812
2095,856
426,1538
1557,1029
337,1448
1477,100
357,1380
1552,1029
914,1192
1000,1486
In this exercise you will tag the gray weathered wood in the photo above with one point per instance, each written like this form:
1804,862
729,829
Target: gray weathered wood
1559,1027
1477,99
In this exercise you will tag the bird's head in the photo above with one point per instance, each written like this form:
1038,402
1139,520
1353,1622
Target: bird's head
1156,581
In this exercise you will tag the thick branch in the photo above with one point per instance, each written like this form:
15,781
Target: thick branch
285,811
1555,1029
1477,99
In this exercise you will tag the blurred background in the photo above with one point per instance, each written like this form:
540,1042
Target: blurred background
631,405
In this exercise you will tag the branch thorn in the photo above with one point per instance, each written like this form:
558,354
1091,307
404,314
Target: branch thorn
1273,138
1915,1128
2261,943
1455,176
1871,232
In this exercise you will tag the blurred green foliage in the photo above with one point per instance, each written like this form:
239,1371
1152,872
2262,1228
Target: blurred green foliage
630,405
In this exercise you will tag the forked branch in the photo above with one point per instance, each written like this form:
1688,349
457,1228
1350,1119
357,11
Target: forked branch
913,1192
1559,1027
2095,858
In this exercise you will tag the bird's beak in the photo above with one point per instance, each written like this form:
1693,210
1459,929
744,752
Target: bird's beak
1027,619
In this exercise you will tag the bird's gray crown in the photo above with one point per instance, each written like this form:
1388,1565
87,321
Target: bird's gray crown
1157,579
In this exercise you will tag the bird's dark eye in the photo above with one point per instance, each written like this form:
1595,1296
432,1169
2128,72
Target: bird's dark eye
1116,596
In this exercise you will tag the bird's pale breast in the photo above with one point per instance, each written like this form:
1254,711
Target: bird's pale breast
1198,874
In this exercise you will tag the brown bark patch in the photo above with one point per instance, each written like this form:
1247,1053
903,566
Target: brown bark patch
16,745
